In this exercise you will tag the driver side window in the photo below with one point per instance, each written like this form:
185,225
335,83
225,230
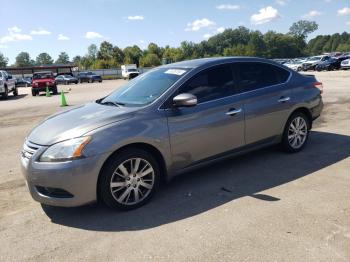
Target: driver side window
211,84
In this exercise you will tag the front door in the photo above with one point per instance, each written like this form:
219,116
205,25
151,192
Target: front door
214,126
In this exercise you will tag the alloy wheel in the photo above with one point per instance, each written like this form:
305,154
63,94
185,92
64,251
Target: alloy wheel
132,181
297,132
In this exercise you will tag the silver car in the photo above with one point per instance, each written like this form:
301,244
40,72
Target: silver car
167,121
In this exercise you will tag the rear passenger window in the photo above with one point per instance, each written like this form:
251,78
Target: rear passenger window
211,84
252,76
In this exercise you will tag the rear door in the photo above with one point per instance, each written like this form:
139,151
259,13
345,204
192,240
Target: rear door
266,96
214,126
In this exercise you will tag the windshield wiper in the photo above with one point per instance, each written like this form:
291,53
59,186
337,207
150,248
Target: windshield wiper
118,104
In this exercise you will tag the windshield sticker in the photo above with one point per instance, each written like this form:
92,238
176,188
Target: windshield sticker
178,72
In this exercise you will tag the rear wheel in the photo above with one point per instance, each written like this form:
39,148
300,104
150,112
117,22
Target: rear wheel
296,132
129,180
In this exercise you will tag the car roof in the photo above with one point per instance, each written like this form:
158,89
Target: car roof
215,60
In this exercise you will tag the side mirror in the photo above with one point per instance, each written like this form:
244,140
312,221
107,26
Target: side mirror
185,100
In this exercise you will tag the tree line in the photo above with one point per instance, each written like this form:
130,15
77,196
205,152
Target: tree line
232,42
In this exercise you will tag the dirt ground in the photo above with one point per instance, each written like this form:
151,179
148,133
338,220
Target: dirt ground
263,206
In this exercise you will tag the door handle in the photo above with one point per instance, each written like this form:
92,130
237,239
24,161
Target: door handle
283,99
233,112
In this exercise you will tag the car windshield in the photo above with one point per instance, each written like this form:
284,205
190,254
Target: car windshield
42,76
132,70
144,89
90,73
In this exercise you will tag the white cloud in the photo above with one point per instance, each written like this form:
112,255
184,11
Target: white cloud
40,31
328,1
206,36
14,35
136,17
347,23
312,14
344,11
62,37
198,24
265,15
281,2
92,35
220,29
227,7
14,29
3,46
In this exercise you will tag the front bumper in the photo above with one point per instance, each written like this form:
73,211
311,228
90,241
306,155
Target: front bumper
75,182
43,88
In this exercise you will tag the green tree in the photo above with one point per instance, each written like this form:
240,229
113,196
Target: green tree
132,54
303,28
44,59
23,59
106,51
3,60
118,55
77,60
150,60
63,58
92,51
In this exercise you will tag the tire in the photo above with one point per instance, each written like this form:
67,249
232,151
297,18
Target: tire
301,134
15,92
130,184
34,93
5,94
54,90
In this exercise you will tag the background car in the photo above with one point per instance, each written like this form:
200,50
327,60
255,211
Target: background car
330,64
43,80
66,79
313,61
345,64
88,77
295,64
24,82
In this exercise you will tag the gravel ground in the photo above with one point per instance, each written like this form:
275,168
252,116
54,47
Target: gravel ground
263,206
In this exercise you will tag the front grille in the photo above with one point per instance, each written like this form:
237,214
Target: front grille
29,150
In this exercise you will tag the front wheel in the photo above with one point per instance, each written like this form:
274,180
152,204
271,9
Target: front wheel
296,133
6,93
54,90
34,92
129,179
15,92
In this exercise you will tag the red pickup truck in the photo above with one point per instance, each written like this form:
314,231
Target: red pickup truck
41,80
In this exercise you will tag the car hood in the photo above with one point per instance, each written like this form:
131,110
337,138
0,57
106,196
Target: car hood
76,122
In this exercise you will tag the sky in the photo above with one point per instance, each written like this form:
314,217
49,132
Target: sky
36,26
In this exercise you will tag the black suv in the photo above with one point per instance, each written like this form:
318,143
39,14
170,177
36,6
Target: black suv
88,77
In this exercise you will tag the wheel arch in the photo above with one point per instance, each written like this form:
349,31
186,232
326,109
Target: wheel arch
143,146
306,112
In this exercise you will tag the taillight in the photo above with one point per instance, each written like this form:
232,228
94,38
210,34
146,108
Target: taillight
319,85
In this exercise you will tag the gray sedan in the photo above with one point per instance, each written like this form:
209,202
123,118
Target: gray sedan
167,121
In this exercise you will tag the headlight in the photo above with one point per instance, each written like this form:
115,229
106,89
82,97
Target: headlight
66,150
